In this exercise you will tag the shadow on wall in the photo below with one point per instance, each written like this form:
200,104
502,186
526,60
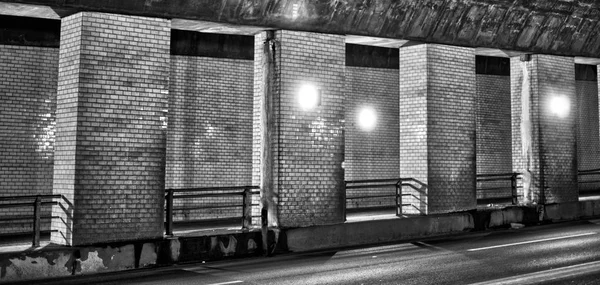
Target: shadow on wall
414,197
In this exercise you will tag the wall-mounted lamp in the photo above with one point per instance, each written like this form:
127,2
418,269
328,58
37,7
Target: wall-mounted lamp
367,119
560,106
525,57
309,97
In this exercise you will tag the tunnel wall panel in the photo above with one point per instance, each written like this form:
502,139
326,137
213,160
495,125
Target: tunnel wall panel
28,80
209,131
494,153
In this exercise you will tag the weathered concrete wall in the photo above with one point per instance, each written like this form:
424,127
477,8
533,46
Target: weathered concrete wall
69,261
379,231
405,229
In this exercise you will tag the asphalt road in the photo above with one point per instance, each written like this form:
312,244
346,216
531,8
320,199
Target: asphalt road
567,253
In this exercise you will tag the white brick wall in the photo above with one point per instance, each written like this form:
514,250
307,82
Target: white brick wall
209,131
494,143
28,79
371,154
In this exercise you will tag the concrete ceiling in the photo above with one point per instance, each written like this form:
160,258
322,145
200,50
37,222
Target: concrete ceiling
212,27
33,11
374,41
561,27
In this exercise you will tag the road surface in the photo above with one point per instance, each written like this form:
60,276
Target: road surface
567,253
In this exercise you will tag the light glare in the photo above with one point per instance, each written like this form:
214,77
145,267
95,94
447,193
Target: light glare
559,105
308,97
367,119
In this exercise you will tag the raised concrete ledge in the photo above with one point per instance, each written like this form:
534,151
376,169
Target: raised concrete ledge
497,218
562,211
589,208
59,261
570,211
378,231
62,261
399,229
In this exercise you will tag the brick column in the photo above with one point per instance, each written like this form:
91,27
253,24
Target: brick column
306,145
546,146
112,88
437,127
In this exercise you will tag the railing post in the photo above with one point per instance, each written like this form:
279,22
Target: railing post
513,187
169,225
345,202
247,208
399,198
37,205
264,229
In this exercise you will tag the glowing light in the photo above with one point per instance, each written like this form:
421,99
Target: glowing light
367,119
308,97
559,105
295,9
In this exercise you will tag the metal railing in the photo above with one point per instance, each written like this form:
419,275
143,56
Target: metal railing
512,177
26,201
397,183
589,172
420,188
245,191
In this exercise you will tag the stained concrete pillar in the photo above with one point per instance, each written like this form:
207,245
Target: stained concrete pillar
112,89
437,128
544,129
306,183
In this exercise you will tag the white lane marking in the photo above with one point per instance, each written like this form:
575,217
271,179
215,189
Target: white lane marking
546,275
531,241
230,282
423,244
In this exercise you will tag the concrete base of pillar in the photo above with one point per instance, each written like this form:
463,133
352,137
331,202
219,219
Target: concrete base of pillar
561,212
379,231
589,209
63,261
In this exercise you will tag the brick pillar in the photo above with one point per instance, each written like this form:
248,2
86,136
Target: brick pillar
306,145
112,88
437,127
546,146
